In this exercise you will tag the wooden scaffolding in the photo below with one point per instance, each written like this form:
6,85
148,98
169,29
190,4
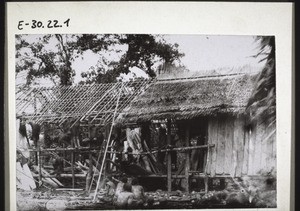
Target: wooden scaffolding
90,105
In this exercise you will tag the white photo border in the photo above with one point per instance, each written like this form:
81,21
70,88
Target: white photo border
209,18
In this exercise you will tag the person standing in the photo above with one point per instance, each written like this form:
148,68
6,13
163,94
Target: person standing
22,141
162,135
24,177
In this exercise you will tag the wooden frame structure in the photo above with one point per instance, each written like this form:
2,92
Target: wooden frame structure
91,105
96,101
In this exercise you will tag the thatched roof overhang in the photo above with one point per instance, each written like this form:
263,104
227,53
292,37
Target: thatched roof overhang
190,98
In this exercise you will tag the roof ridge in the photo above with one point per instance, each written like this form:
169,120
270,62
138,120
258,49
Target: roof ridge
203,76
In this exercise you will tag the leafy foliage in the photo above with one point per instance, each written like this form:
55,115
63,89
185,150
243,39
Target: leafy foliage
262,104
42,60
52,56
143,51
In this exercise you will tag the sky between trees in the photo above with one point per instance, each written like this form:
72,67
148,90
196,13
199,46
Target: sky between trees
201,53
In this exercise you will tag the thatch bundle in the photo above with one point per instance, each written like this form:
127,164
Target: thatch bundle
191,97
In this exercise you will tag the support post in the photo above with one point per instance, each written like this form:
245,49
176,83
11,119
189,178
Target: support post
187,159
40,165
72,167
90,172
206,170
72,162
106,148
169,161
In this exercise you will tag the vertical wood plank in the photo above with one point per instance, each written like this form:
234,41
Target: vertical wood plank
206,156
221,146
207,161
252,141
228,164
257,154
169,161
238,147
269,151
213,139
209,150
264,149
187,159
246,153
210,141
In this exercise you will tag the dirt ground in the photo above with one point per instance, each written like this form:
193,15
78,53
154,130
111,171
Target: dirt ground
78,200
43,200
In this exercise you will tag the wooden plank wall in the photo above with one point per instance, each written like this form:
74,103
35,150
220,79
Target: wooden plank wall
212,139
251,152
237,151
221,143
269,149
229,147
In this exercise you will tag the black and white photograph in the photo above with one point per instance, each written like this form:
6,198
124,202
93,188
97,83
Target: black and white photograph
148,106
145,121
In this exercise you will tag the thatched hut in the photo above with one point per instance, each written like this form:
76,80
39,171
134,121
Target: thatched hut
214,108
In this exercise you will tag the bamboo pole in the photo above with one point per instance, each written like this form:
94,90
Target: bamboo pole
90,172
40,165
169,161
200,175
62,92
187,159
72,162
111,98
185,148
88,150
72,167
96,103
206,170
96,168
85,92
107,144
90,103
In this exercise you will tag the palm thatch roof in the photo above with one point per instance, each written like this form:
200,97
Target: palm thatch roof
188,98
95,103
